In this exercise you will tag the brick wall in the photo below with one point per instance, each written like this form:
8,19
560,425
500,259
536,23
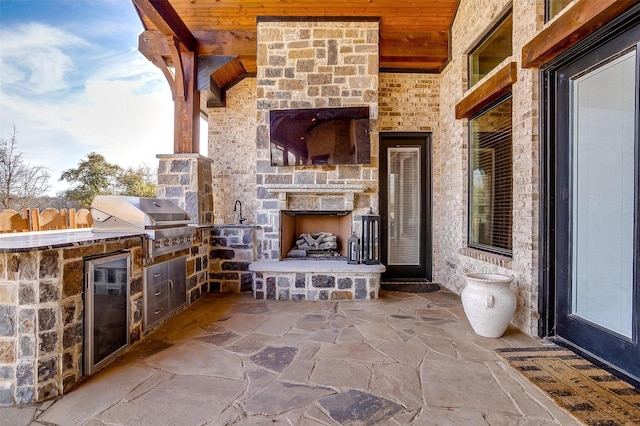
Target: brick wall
451,257
408,102
232,149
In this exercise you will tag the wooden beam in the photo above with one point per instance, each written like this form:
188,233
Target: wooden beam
186,126
580,20
215,74
489,91
167,20
231,43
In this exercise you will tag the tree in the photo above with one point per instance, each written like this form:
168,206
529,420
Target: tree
20,183
93,176
139,182
96,176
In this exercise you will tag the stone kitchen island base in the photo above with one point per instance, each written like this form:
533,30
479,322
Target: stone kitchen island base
315,280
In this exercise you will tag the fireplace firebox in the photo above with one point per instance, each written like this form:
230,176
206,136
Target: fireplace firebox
294,223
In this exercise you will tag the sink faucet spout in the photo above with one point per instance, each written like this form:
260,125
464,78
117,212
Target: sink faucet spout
235,208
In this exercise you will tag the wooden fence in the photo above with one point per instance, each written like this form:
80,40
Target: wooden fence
47,220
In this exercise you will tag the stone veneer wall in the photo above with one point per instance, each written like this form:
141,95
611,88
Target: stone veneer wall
198,266
42,317
231,250
451,257
313,65
232,149
277,285
185,179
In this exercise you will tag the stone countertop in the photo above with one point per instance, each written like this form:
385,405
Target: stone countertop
227,225
45,240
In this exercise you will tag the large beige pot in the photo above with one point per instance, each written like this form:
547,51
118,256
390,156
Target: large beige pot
488,303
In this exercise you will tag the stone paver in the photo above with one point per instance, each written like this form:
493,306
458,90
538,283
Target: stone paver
405,359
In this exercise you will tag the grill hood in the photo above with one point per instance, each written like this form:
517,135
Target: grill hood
115,213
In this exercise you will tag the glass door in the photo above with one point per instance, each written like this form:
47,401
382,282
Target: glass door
405,206
106,300
597,190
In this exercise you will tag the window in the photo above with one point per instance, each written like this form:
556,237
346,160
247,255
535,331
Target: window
553,7
492,49
491,179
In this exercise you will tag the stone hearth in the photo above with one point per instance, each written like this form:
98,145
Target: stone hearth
315,280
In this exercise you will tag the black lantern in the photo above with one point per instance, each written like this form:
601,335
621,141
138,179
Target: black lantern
370,236
353,244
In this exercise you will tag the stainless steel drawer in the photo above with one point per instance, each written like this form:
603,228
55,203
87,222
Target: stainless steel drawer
156,274
156,309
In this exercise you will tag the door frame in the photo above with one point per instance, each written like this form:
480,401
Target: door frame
548,221
426,238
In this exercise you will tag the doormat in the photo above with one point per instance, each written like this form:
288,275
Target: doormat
590,394
410,286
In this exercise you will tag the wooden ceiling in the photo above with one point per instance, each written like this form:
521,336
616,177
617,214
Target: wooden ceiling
414,34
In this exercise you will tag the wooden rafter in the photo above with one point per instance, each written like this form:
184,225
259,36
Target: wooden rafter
167,21
413,34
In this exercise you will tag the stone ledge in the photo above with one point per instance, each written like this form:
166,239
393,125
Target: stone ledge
315,189
318,266
495,259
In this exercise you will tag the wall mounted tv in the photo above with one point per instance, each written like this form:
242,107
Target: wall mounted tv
304,137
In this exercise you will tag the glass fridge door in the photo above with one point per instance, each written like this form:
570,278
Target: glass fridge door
106,309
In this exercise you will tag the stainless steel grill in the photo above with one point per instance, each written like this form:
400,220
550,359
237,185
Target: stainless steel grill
165,225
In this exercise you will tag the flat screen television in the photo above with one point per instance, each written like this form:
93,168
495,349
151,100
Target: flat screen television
304,137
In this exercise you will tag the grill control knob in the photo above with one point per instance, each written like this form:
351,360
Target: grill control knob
167,242
157,244
174,241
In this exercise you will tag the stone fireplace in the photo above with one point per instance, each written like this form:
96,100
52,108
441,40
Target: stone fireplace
314,63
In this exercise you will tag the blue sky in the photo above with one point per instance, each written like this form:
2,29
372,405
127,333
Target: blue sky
72,81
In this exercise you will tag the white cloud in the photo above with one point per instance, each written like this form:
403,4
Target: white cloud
35,57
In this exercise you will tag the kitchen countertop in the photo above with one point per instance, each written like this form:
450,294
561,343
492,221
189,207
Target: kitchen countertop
46,240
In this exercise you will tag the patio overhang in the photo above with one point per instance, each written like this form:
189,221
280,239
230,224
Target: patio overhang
205,47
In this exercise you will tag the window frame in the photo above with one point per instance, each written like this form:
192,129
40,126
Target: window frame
483,247
508,12
547,10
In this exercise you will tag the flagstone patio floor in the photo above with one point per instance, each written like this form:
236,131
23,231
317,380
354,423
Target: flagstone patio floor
228,359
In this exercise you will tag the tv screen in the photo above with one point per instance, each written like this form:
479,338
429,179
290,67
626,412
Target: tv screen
302,137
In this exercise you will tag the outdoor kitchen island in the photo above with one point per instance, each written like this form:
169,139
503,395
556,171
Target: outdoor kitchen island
42,302
42,307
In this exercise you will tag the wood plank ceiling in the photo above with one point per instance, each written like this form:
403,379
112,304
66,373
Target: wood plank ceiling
414,34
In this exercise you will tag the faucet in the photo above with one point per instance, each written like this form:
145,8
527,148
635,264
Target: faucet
235,207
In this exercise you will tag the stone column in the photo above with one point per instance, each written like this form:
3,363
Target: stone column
185,179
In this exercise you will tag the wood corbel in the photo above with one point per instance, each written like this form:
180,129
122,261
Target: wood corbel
160,62
176,54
